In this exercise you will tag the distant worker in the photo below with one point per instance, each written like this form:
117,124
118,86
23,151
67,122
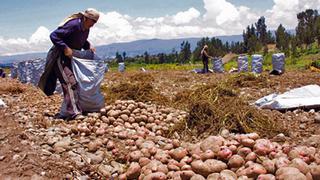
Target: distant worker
72,33
205,58
2,73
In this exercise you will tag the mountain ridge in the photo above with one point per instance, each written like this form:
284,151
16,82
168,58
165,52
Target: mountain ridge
133,48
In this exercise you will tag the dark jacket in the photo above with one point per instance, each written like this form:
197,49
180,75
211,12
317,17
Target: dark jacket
71,34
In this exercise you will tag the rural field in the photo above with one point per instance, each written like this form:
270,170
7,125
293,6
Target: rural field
163,124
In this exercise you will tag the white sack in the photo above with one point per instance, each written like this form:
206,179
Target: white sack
256,65
89,74
242,63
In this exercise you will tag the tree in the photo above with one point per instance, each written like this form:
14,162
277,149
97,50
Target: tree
262,30
185,52
282,39
146,58
306,31
119,57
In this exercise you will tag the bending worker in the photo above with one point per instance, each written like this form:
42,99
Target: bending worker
71,34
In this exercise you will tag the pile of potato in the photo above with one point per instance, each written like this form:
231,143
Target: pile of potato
228,156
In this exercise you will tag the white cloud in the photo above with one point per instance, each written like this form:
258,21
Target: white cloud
186,16
219,18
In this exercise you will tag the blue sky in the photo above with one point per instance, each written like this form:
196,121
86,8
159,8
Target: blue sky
25,25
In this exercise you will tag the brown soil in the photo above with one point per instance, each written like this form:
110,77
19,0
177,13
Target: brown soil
21,149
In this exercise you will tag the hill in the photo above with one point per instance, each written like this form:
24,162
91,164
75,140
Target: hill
152,46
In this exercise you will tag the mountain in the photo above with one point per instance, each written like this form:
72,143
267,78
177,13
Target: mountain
152,46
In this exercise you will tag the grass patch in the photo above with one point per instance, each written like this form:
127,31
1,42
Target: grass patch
214,107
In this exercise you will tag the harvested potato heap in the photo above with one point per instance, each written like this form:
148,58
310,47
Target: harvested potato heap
126,140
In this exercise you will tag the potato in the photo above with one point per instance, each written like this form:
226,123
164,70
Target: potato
197,177
133,171
300,164
236,161
135,156
263,147
266,177
248,142
200,167
156,176
269,166
251,157
186,175
213,143
144,161
315,172
178,153
227,174
208,154
214,176
225,153
215,165
284,173
282,162
244,151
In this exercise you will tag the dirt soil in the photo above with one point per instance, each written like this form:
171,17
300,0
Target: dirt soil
22,155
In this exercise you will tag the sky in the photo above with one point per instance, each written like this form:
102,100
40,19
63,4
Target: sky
25,26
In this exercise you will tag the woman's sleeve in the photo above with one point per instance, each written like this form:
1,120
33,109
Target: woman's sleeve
57,36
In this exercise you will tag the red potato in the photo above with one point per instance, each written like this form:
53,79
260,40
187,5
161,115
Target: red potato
253,171
208,154
285,173
133,171
244,151
135,156
215,165
266,177
214,176
233,148
156,176
300,164
200,167
144,161
225,153
186,175
263,147
282,162
178,153
269,165
253,136
227,174
197,177
251,157
213,143
236,161
247,142
186,167
315,172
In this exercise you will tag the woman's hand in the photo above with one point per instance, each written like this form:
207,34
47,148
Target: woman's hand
93,49
68,52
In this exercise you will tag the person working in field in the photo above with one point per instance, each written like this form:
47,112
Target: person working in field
205,58
71,34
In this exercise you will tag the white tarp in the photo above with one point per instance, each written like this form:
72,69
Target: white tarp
89,74
2,104
303,97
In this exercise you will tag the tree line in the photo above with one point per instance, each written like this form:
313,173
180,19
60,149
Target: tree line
256,38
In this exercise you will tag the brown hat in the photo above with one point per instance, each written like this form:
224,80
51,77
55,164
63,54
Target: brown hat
91,14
